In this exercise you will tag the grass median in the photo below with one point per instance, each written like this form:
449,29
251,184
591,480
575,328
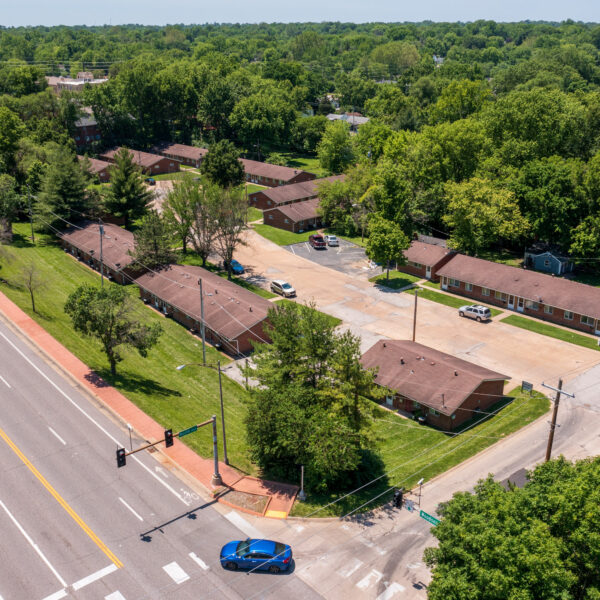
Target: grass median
446,299
281,237
397,280
551,331
408,451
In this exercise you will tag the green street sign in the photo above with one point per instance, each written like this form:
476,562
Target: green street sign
188,430
429,518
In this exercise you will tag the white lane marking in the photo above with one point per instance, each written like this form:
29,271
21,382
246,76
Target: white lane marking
371,579
370,544
57,436
161,471
33,545
198,561
176,573
243,525
299,528
57,595
131,509
390,591
5,383
90,418
94,577
351,568
115,596
292,249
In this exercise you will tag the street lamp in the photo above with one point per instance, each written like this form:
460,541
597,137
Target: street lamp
420,484
181,367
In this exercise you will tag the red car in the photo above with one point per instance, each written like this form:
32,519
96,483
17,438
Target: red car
317,241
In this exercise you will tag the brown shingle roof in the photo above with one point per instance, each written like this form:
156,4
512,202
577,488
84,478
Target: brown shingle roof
230,310
143,159
95,165
425,254
262,169
191,152
296,191
425,374
299,211
115,243
553,291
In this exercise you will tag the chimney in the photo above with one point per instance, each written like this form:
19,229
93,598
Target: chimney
432,363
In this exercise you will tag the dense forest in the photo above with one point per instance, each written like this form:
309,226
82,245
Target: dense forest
486,133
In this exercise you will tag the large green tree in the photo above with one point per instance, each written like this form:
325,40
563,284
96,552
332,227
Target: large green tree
9,202
11,130
387,242
221,165
153,242
108,314
128,196
179,208
335,150
541,541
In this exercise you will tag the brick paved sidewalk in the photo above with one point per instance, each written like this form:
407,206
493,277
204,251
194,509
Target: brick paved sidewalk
278,498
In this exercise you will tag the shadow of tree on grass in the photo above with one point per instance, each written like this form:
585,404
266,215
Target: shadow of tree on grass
129,382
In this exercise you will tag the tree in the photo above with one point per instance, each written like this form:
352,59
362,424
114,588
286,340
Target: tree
386,243
128,196
63,194
107,315
585,244
309,406
204,224
31,280
10,132
480,214
179,208
540,541
308,132
335,150
152,243
459,99
231,220
8,207
221,165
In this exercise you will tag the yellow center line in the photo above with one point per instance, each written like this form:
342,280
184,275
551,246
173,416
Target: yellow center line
61,501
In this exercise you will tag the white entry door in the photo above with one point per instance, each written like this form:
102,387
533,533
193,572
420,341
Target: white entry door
520,304
428,272
511,302
444,283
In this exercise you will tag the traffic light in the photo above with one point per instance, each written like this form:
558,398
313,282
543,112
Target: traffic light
168,438
398,495
121,458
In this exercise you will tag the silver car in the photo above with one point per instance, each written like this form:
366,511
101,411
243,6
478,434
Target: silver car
283,288
332,240
475,311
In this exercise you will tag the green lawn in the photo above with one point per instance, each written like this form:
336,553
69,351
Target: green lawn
397,280
506,257
304,162
432,284
280,236
409,451
254,214
447,300
253,187
551,331
333,320
175,399
191,258
168,176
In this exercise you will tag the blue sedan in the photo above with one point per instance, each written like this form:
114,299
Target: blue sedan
236,267
256,554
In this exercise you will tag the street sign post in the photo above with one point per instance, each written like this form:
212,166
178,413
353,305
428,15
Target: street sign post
429,518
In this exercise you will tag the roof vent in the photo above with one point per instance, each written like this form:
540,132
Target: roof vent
411,371
418,358
402,360
432,363
250,309
216,291
455,373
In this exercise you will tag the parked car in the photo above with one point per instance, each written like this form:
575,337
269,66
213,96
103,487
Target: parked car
316,241
332,240
475,311
264,555
235,267
150,180
283,288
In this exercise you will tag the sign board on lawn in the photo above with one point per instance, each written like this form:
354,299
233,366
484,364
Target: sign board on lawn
429,518
526,386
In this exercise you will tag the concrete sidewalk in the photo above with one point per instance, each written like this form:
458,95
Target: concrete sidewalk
239,491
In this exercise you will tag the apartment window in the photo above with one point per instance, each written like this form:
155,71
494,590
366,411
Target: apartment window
434,412
416,265
499,296
568,315
548,310
546,263
485,291
587,321
454,282
468,287
286,220
416,405
532,305
270,216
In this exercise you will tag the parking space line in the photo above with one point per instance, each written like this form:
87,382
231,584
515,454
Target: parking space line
352,568
94,577
115,596
57,436
372,578
198,561
33,545
57,595
131,509
390,591
5,383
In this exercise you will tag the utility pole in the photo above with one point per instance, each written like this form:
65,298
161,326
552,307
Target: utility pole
222,415
216,478
415,314
30,214
101,227
202,323
558,391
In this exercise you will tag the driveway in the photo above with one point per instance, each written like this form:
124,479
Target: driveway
347,258
373,314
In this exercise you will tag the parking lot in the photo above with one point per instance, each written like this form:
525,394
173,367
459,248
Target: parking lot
347,258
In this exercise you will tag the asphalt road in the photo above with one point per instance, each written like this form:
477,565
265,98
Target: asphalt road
75,526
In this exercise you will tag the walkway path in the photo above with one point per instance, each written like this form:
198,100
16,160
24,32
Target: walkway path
239,491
